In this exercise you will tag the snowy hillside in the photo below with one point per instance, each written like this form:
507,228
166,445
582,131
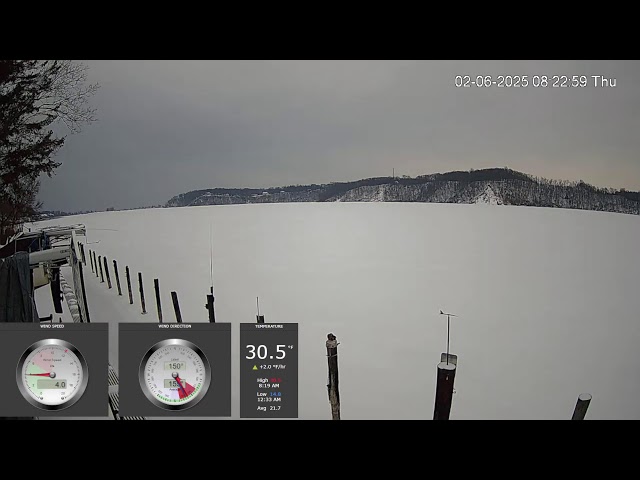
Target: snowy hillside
547,299
495,186
488,197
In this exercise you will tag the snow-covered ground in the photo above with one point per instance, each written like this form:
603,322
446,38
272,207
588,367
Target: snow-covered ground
488,197
548,299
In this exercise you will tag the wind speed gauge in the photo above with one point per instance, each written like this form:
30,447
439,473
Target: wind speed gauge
52,374
174,374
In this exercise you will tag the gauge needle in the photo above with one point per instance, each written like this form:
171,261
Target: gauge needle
42,374
177,377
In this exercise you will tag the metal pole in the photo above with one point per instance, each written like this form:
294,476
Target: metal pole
209,306
444,391
115,269
176,307
144,310
449,315
156,284
259,318
584,399
106,271
100,264
126,270
448,326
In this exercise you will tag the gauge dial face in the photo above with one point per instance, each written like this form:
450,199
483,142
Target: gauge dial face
175,374
52,374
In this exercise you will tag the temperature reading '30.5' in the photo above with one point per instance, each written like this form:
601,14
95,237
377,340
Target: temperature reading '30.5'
262,352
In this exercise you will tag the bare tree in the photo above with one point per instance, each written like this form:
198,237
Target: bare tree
35,95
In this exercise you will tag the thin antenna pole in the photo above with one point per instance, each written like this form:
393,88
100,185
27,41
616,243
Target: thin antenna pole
210,297
448,324
258,305
211,256
449,315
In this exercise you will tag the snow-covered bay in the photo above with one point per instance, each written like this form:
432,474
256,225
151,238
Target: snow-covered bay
548,299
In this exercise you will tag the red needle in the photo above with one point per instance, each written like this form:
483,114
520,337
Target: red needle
39,374
180,383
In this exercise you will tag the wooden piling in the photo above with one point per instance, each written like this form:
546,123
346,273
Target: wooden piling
144,310
115,271
584,399
176,307
332,385
95,262
100,264
444,390
126,271
91,260
156,285
106,271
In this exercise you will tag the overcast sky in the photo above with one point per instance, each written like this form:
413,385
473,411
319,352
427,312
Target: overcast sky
168,127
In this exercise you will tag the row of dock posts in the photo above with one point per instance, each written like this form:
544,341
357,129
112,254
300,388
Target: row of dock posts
100,268
446,368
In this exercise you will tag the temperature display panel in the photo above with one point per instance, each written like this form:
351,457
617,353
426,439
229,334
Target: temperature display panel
269,370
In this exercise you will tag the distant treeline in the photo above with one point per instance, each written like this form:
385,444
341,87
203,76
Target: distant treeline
509,186
336,188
